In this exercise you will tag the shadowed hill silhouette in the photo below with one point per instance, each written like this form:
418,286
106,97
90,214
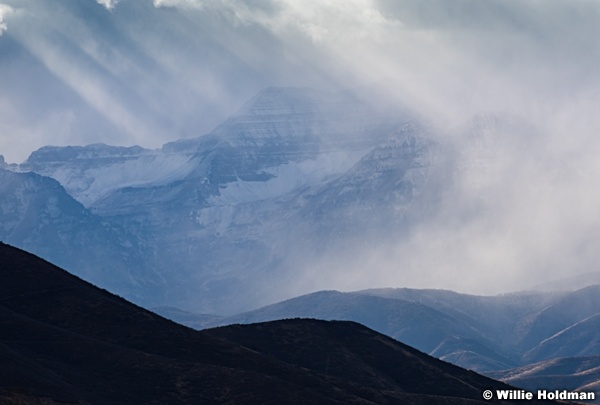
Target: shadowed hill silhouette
62,340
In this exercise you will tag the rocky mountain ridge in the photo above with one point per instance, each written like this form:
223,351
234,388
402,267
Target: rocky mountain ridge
211,213
291,194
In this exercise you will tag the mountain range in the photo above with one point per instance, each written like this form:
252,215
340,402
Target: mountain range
62,340
292,192
297,191
213,223
533,340
478,332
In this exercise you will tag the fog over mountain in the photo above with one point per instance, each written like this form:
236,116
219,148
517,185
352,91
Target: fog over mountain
483,114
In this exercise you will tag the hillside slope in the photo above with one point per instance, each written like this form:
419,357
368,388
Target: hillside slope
63,340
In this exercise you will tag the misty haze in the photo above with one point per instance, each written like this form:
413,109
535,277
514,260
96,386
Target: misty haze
427,168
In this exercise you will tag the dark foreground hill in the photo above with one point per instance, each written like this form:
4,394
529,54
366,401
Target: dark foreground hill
63,340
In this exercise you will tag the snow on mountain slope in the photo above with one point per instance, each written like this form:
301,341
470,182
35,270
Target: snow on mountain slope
387,178
90,172
239,217
291,117
295,135
287,178
226,216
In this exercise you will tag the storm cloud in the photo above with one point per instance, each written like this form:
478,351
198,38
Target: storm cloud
147,72
151,71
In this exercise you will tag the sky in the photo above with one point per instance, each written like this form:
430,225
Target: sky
150,71
147,72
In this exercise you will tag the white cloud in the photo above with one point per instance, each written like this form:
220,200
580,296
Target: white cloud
321,21
109,4
4,11
449,58
179,3
327,21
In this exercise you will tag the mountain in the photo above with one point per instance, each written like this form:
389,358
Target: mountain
377,192
481,333
216,215
560,316
299,190
501,315
536,325
279,127
579,339
190,319
62,340
410,322
37,213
